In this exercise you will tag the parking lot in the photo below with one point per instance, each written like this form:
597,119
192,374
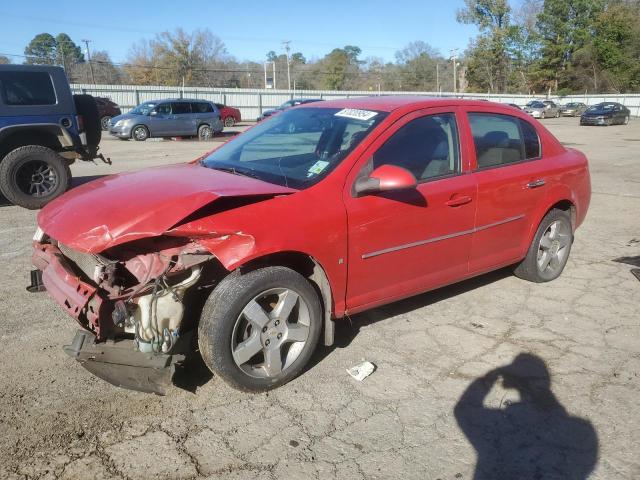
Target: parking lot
431,351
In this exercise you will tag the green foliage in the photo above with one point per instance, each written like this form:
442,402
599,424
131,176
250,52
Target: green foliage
41,50
4,60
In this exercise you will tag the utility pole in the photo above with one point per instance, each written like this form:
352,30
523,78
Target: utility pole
287,48
93,78
454,59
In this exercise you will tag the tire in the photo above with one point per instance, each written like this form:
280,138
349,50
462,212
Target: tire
229,122
139,133
205,132
104,122
558,114
550,249
32,176
224,325
87,107
543,115
626,120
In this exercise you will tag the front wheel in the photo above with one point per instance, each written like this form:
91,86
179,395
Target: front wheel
626,120
140,133
549,251
258,330
32,176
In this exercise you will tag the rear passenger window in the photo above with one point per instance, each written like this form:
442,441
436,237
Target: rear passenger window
27,88
426,146
201,107
502,139
180,108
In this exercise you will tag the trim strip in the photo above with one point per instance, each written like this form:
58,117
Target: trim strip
443,237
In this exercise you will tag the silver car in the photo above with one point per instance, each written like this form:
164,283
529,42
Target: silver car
168,118
573,109
542,109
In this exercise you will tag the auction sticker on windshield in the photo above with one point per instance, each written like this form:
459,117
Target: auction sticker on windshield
356,114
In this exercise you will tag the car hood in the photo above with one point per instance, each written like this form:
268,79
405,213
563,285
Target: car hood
126,116
129,206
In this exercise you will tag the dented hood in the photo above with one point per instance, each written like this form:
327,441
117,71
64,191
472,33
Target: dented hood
129,206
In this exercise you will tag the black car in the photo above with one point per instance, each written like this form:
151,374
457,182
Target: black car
606,113
288,104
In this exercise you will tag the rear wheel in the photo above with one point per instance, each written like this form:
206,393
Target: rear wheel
626,120
229,122
32,176
104,122
205,132
549,251
140,133
258,330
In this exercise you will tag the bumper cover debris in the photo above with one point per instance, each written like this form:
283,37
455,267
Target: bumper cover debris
118,363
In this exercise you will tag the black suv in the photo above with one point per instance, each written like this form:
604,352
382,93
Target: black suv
43,130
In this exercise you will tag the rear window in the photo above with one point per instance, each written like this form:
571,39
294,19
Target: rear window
201,107
502,139
27,88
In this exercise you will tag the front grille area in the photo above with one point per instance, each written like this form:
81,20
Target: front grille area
85,262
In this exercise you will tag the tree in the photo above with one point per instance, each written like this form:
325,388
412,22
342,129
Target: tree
67,53
41,50
497,39
565,27
418,64
4,60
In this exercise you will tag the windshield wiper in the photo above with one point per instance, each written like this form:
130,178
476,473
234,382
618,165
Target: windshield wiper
235,171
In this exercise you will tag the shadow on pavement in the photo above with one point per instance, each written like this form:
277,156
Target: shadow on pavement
533,438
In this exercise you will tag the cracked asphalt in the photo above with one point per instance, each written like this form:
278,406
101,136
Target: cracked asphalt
488,377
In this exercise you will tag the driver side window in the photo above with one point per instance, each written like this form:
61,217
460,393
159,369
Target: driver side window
427,147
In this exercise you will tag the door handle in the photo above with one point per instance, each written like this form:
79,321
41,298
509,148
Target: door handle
457,201
536,183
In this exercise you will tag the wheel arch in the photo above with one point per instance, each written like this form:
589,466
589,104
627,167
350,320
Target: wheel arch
45,135
312,270
564,203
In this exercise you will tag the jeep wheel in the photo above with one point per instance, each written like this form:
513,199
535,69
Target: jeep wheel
32,176
258,330
104,122
140,133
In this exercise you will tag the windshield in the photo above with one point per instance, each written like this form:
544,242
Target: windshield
143,108
572,105
535,105
601,106
296,148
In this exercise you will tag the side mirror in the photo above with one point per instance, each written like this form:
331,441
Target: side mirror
385,178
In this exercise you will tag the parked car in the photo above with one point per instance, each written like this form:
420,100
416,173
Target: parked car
542,109
278,234
229,115
573,109
168,118
288,104
606,113
43,130
107,110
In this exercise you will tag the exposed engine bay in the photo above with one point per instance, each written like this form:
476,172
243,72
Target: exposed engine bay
133,293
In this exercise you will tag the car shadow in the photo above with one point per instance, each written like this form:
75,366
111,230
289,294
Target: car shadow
347,329
533,437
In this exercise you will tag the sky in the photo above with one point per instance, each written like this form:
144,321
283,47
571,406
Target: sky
248,28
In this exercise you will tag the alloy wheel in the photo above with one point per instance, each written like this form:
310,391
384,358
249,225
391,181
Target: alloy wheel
36,178
270,333
140,133
104,122
552,249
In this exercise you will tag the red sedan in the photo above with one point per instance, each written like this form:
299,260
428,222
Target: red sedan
229,115
262,244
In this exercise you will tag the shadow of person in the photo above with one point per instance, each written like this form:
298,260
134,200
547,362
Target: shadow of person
530,439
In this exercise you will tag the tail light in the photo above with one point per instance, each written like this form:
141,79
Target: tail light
80,120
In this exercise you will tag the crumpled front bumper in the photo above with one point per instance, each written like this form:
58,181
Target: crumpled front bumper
80,299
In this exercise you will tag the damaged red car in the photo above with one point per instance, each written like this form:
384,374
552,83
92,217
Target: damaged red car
262,244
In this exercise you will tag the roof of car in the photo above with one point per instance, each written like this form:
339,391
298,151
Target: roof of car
390,103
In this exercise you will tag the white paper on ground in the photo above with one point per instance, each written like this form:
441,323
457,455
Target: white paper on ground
362,371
